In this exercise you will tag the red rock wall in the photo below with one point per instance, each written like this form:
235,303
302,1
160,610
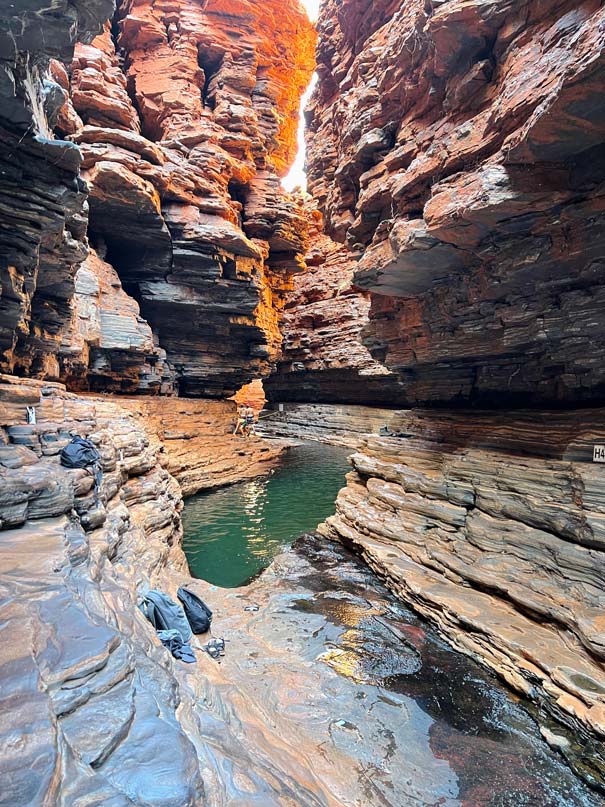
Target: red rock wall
186,118
490,525
457,148
323,358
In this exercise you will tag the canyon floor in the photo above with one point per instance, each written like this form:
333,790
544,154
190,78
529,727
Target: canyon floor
367,697
434,304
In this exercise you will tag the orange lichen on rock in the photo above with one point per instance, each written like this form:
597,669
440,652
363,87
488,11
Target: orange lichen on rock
253,394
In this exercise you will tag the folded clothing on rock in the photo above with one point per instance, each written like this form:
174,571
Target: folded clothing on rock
171,639
170,622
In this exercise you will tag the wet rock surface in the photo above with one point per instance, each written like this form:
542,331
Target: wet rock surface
490,526
374,703
92,709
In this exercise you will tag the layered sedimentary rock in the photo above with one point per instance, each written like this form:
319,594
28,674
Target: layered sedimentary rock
42,199
175,124
76,652
189,440
253,394
186,118
94,710
491,526
382,686
457,148
107,345
196,442
323,358
346,425
64,315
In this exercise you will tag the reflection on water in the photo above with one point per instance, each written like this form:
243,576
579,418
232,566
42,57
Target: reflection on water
372,701
234,533
425,725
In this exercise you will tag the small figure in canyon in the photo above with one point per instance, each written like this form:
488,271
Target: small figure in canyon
241,420
250,418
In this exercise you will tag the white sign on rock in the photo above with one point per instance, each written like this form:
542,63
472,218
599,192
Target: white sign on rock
598,453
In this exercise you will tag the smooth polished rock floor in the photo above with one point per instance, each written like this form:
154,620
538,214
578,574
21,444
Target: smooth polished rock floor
370,708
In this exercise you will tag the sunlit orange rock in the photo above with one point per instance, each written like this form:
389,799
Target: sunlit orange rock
190,115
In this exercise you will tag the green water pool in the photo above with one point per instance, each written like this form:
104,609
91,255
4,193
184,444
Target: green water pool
232,534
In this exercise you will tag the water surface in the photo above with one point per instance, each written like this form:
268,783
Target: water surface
349,697
234,533
369,700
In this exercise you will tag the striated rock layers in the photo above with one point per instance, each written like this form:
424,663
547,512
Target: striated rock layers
458,149
322,357
327,423
175,125
492,526
186,119
77,653
42,198
96,712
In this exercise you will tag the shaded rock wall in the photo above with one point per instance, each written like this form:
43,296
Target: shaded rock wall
323,358
457,148
346,425
108,345
492,527
42,199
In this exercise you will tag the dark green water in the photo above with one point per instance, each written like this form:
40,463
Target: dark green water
234,533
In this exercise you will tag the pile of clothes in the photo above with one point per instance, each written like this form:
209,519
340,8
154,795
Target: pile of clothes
175,624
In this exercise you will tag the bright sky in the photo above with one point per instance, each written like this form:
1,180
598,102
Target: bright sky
297,174
312,7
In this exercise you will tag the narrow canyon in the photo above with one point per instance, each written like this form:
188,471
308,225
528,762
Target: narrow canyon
404,549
